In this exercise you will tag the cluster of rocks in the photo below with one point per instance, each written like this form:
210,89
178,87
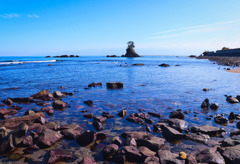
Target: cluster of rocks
226,61
64,56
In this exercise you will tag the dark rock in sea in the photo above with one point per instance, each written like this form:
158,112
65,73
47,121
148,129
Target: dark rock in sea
87,160
71,56
89,115
50,112
29,112
238,124
63,56
47,56
151,160
2,105
177,124
154,143
4,113
122,113
8,102
97,125
49,64
105,114
165,156
88,102
238,97
158,127
117,140
101,119
71,131
232,100
205,104
114,85
209,155
43,103
219,119
231,116
59,105
170,133
131,154
57,155
155,114
86,138
145,152
109,151
43,95
130,52
192,56
177,114
232,155
205,89
129,141
23,100
46,109
138,64
235,132
95,84
48,137
111,56
214,106
164,65
135,120
207,129
197,137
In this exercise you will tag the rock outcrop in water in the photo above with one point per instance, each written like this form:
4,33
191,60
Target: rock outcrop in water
130,52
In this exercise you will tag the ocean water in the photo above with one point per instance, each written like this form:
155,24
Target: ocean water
148,87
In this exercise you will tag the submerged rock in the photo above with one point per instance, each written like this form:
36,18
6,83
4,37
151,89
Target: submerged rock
232,100
164,65
135,120
114,85
8,102
86,138
88,102
214,106
205,104
59,105
71,131
177,114
219,119
48,137
122,113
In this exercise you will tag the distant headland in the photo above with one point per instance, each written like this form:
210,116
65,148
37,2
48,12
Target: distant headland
227,52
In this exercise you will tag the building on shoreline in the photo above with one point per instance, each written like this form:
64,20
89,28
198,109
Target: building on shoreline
224,52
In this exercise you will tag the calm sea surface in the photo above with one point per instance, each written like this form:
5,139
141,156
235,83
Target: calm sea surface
149,87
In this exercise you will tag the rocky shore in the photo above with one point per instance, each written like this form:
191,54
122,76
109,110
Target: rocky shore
21,138
226,61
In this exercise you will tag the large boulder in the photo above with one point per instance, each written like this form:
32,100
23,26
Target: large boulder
177,114
137,135
57,155
59,105
197,137
131,154
145,152
207,129
130,52
219,119
4,113
109,151
166,157
86,138
177,124
205,104
48,137
232,100
171,134
154,143
43,95
114,85
71,131
232,155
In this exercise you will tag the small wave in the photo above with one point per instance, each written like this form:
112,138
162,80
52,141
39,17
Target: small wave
22,62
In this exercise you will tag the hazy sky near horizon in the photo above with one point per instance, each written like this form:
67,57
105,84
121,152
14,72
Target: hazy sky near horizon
103,27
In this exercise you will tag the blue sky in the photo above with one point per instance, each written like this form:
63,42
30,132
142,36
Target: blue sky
103,27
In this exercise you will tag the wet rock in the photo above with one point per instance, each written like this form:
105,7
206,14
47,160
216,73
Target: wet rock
165,156
231,116
238,97
135,120
145,152
4,113
12,123
122,113
131,154
117,141
138,64
23,100
149,121
95,84
16,107
214,106
230,142
50,112
8,102
86,138
46,109
170,133
209,155
48,137
31,149
57,155
105,114
114,85
232,155
205,89
207,129
164,65
140,115
158,127
59,105
197,137
205,104
151,160
136,135
87,160
40,120
89,115
101,136
43,95
52,125
29,112
3,133
97,125
236,132
177,114
238,124
191,159
177,124
71,131
27,141
88,102
109,151
232,100
101,119
155,114
154,143
57,94
219,119
129,141
148,129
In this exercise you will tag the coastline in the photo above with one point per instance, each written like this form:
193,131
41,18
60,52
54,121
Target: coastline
226,61
236,70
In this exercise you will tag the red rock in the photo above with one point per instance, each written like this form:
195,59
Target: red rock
48,137
57,155
109,151
59,105
71,131
86,138
5,112
8,102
